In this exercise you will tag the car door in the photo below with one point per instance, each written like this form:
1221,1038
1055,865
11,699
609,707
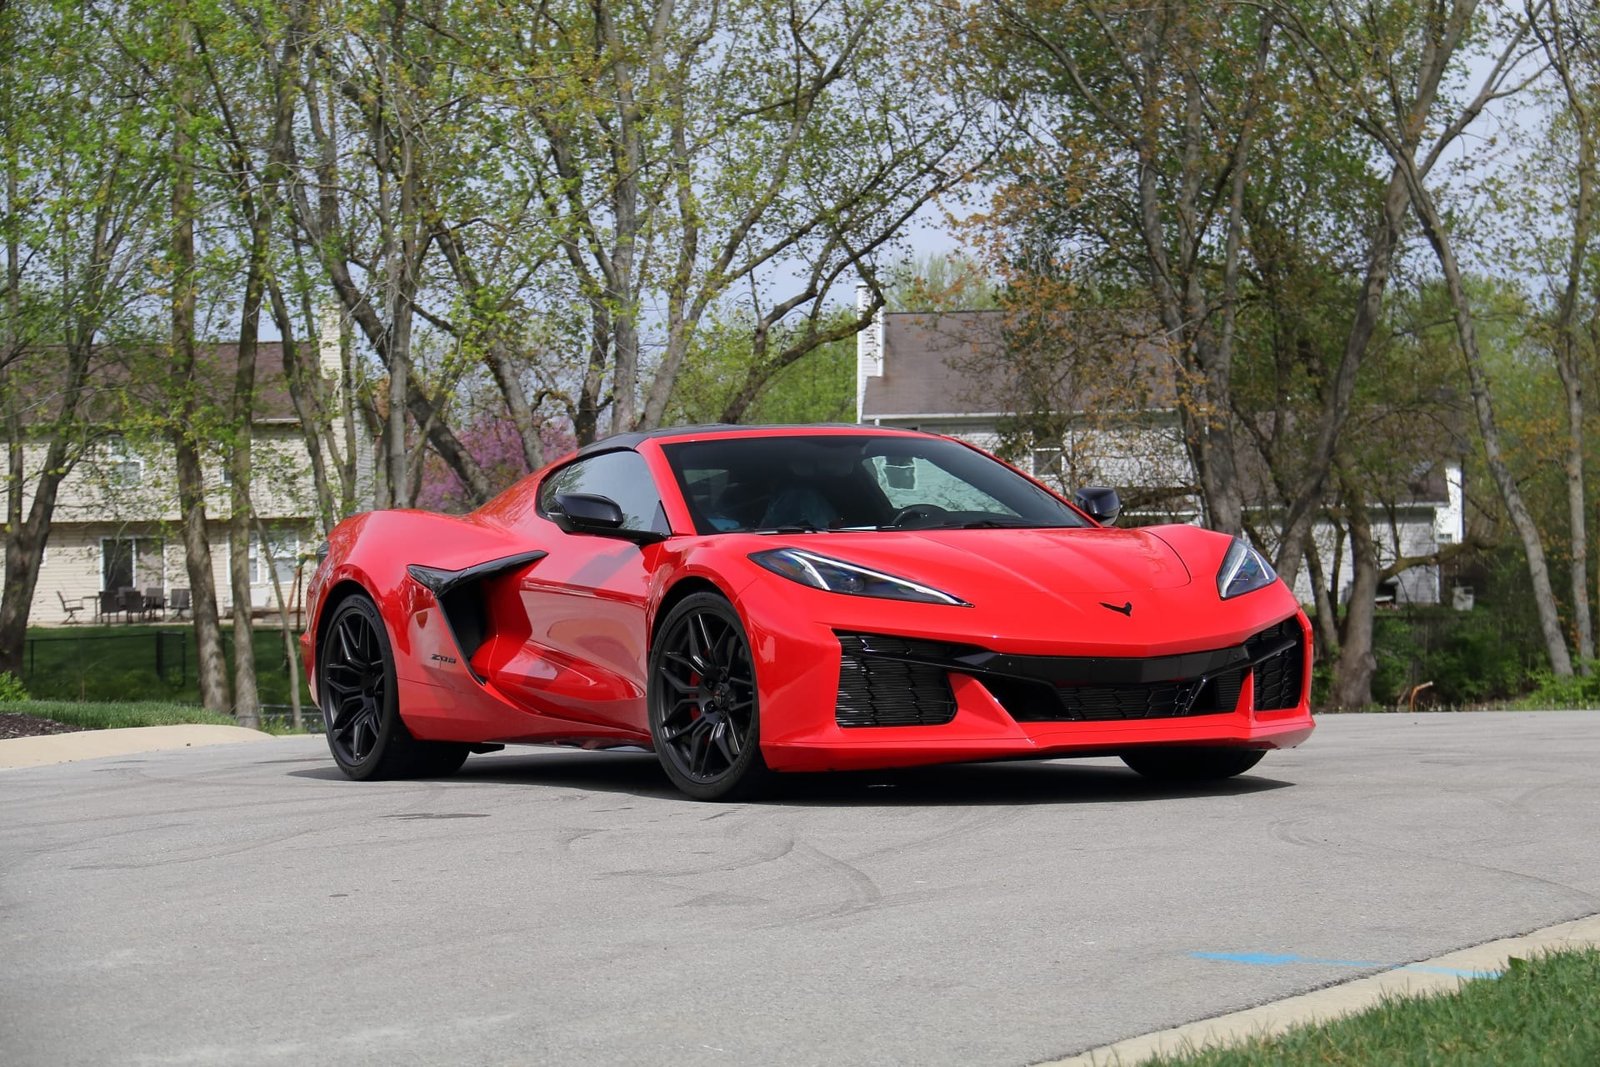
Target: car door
586,602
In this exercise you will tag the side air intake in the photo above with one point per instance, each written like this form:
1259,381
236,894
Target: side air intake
460,596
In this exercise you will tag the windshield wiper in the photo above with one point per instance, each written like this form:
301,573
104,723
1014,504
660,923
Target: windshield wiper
792,528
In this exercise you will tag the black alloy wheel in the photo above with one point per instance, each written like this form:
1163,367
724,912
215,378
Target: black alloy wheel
704,705
360,702
1193,764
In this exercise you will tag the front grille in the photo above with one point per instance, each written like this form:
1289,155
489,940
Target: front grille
879,686
1171,700
1070,701
898,681
1279,678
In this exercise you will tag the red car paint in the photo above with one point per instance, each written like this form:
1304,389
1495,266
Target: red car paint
569,634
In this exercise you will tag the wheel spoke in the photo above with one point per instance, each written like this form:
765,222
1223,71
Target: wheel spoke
683,661
699,747
688,728
700,642
727,743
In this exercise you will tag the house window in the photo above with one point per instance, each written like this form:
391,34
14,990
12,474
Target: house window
284,548
1047,462
130,563
123,469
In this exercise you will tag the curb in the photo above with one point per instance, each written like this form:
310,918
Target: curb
1442,974
46,749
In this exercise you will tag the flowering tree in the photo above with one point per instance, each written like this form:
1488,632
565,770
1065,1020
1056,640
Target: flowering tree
494,442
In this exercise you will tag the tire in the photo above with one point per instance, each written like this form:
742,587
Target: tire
1192,764
360,702
705,714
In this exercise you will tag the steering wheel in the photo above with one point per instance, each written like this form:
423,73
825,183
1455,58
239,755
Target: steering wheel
917,511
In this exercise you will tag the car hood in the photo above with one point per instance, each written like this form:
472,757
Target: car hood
968,563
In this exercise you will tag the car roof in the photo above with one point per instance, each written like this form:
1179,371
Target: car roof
712,430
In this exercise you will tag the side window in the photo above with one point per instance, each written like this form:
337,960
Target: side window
620,476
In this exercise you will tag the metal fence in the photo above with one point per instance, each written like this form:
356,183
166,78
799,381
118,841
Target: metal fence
283,715
168,651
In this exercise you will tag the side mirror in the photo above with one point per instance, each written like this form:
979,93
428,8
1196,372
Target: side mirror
1101,503
588,513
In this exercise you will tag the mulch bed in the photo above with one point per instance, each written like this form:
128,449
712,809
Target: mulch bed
13,725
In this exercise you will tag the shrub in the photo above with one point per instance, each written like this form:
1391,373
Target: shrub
11,688
1577,691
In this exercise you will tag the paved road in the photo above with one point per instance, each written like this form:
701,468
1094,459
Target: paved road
246,905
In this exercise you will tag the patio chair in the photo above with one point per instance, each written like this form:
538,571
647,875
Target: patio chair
71,609
154,601
180,603
131,603
109,604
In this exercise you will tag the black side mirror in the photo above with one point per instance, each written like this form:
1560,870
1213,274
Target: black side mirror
1101,503
587,513
591,514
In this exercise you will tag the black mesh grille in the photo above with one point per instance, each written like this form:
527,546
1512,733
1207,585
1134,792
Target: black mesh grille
1278,679
898,681
1128,701
1161,700
878,686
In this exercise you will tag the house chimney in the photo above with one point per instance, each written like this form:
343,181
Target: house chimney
1450,521
329,358
869,349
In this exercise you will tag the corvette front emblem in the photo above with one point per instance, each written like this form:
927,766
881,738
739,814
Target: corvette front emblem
1125,609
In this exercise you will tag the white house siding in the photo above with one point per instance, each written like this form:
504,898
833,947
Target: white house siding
74,562
1413,533
102,486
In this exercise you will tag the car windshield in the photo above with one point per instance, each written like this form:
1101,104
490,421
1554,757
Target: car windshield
867,482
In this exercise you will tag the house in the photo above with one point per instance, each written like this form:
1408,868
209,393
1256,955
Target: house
116,521
1102,408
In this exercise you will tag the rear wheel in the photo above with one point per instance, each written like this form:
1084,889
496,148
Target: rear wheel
1192,764
704,706
360,702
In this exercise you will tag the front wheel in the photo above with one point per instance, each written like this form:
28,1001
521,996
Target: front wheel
361,705
1192,764
705,709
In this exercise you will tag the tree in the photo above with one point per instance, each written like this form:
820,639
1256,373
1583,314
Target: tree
1567,35
1139,124
1444,33
187,428
78,213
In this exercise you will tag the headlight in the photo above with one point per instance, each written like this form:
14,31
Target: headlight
1243,570
837,576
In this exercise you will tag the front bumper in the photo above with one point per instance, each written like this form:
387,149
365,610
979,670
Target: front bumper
995,703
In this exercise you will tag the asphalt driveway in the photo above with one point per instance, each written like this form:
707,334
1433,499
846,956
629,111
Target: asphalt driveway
245,904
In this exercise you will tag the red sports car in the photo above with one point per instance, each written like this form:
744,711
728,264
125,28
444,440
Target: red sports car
752,600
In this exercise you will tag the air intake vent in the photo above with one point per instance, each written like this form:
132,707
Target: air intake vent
1279,678
880,684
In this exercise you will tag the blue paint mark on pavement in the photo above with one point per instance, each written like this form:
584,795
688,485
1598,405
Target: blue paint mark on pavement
1278,959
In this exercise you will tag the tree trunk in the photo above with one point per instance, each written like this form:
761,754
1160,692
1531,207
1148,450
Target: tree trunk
1569,361
1353,671
291,652
1488,427
1327,612
212,665
246,696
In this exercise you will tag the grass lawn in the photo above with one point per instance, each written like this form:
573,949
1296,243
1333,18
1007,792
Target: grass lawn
116,716
1544,1012
140,663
